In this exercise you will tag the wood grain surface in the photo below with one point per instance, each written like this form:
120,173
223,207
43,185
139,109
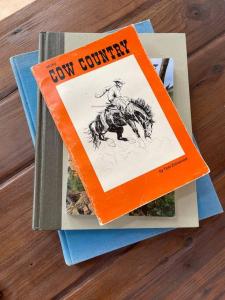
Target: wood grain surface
182,264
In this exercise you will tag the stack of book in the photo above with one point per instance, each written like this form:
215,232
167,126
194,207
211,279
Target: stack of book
115,160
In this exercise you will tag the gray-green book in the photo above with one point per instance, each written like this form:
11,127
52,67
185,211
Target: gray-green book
59,199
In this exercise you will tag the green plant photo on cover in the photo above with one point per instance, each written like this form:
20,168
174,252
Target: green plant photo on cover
77,202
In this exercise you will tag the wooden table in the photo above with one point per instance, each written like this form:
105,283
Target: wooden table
183,264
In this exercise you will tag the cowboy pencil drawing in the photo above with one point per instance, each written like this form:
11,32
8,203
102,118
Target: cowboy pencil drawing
119,112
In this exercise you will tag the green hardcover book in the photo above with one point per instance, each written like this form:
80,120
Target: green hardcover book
58,190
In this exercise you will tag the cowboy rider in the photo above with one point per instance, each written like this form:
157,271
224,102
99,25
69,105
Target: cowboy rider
114,96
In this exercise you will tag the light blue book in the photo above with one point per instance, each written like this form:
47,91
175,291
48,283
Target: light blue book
81,245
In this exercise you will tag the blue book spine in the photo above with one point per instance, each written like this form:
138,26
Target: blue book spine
26,86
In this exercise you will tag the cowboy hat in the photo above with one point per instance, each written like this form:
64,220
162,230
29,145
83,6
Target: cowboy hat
120,81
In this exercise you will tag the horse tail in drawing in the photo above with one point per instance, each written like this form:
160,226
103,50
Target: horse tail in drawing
94,136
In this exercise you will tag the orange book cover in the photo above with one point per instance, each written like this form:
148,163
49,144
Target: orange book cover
123,132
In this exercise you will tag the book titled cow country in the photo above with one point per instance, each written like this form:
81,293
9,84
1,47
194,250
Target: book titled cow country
130,146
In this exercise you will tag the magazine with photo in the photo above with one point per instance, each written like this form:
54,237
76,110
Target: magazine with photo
77,201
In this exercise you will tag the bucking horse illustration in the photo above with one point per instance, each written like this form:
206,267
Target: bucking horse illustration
113,119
